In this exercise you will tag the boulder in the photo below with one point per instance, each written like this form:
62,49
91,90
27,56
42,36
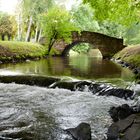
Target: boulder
29,80
125,129
102,90
121,93
93,87
81,132
81,85
136,70
126,64
120,62
120,112
131,66
65,85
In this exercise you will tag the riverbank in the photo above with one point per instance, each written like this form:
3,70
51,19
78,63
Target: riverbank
130,54
129,57
12,51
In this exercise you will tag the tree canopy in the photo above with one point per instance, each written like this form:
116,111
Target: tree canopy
57,25
83,18
31,10
49,18
125,12
7,25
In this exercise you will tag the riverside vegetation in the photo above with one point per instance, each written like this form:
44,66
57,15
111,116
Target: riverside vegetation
130,54
11,51
130,57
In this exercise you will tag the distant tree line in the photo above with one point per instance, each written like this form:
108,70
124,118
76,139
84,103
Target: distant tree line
35,18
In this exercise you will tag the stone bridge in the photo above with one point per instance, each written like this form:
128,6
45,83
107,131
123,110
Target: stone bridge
107,45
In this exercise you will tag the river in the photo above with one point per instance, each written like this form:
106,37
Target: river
81,67
40,113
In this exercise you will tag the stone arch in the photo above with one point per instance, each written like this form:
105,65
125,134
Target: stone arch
107,45
73,44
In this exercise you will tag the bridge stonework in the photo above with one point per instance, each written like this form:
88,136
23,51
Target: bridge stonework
106,44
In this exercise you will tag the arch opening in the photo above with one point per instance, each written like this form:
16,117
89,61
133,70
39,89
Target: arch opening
83,48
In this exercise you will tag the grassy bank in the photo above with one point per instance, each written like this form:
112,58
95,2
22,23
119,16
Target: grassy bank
130,54
19,51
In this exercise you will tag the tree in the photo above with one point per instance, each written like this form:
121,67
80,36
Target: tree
132,36
7,25
19,20
31,10
57,25
112,29
123,12
83,17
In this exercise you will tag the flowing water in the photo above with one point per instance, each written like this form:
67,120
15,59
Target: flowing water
37,113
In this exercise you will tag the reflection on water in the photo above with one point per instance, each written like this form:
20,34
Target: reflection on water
79,66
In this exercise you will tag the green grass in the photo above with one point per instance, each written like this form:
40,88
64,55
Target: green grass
130,54
12,50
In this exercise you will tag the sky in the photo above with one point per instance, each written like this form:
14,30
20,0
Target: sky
8,6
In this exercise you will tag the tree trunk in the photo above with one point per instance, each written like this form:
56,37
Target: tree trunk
39,35
9,37
36,33
19,27
3,37
27,39
52,41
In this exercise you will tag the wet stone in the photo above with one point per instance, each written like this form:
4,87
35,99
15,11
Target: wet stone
120,112
125,129
81,132
121,93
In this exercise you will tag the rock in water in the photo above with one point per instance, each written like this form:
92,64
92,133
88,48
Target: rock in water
126,124
121,93
81,132
126,129
120,112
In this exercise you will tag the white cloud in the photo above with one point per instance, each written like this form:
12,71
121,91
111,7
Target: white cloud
8,6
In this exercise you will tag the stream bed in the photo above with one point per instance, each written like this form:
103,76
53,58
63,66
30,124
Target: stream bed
36,113
41,113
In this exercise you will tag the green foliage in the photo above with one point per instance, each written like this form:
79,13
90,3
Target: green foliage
57,25
7,24
118,11
83,18
134,59
112,29
20,50
30,11
130,54
81,48
132,36
35,7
